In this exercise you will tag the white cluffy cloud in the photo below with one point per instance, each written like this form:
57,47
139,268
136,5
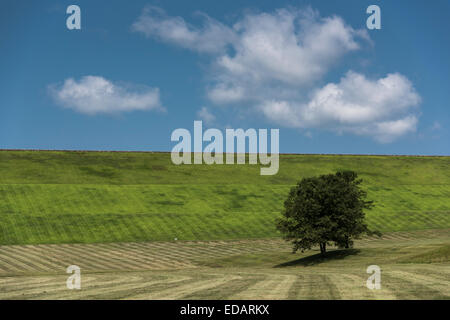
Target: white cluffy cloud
278,53
383,108
93,94
213,37
274,61
285,48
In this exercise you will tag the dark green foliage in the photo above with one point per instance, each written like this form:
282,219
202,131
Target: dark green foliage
325,209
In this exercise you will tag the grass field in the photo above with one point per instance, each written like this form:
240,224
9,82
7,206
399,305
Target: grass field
117,214
414,265
89,197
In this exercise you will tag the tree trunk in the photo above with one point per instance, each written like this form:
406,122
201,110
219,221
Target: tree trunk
346,243
323,247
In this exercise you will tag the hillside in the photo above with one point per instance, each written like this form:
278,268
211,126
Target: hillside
87,197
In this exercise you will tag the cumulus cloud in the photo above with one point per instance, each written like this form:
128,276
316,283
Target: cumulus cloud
94,94
382,108
290,48
287,47
205,115
212,37
273,62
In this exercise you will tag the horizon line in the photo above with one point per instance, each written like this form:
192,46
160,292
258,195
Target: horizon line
280,153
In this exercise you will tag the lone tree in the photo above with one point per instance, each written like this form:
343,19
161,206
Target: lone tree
324,210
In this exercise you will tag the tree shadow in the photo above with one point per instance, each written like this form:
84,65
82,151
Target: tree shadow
319,258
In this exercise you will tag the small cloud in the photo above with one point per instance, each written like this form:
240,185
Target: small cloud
226,94
212,37
388,131
94,94
207,117
436,126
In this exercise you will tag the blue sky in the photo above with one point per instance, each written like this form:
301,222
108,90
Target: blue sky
131,76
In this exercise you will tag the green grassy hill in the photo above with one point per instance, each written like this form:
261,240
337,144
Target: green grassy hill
67,197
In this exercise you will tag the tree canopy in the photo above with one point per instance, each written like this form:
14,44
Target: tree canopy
328,209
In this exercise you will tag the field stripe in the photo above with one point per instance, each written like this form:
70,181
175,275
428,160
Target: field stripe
226,290
26,254
81,258
121,258
272,287
105,285
20,264
25,290
19,283
407,289
52,288
184,290
320,286
158,261
353,287
123,291
431,282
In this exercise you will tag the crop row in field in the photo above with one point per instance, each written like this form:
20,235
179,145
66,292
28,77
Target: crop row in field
87,197
414,265
65,213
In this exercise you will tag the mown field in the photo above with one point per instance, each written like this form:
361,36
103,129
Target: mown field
96,197
414,265
140,227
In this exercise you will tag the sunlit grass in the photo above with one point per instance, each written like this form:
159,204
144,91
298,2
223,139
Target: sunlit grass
67,197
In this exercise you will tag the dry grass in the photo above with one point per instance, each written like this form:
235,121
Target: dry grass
247,269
